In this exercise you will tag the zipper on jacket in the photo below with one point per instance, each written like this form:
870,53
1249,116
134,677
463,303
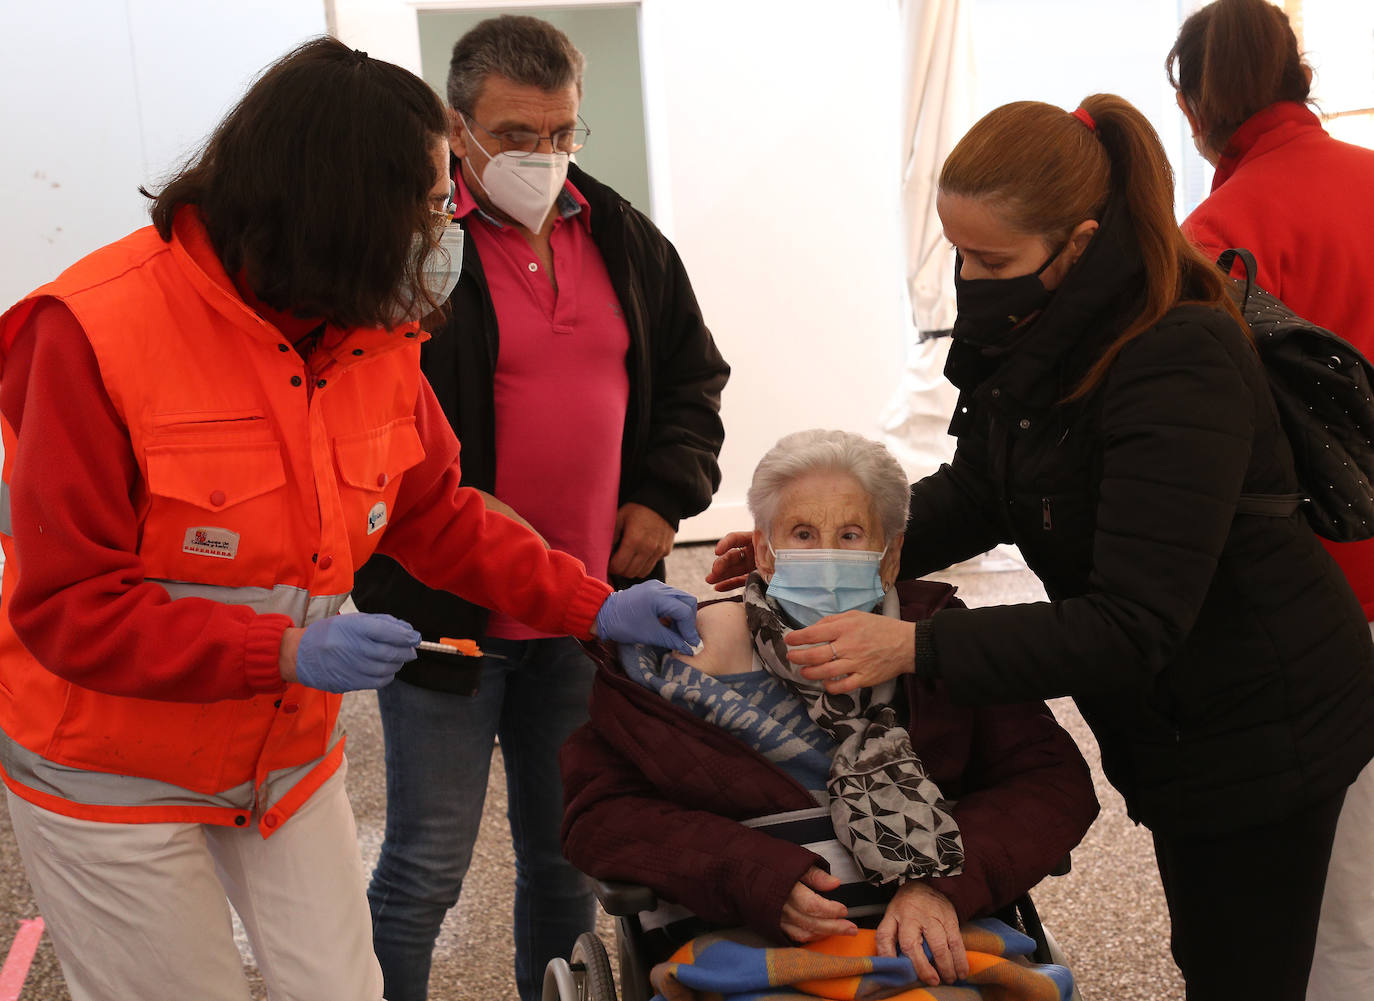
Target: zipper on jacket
1046,521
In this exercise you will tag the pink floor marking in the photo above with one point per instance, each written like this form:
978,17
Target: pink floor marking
16,968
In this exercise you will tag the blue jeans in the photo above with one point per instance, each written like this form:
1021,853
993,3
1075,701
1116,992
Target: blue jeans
438,751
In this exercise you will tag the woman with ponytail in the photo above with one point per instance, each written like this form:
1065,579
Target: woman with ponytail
1303,202
1112,412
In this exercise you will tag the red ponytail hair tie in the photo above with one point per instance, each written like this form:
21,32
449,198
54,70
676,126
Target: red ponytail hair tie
1086,119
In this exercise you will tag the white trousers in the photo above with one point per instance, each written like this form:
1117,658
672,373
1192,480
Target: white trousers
139,910
1343,964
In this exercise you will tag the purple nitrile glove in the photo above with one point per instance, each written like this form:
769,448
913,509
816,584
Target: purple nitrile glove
633,616
347,653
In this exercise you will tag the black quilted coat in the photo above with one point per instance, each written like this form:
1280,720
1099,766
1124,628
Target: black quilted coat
1221,659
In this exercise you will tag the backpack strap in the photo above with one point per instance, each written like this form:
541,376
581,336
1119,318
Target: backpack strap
1270,505
1247,259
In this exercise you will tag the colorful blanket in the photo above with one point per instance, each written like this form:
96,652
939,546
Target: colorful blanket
737,966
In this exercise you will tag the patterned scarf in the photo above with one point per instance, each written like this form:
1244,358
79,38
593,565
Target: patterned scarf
885,808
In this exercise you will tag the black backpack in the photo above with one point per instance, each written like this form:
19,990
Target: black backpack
1321,387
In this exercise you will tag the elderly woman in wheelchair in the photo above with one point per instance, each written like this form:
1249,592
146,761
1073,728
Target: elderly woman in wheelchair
695,774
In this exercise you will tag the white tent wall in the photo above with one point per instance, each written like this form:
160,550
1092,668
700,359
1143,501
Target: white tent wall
101,97
937,108
782,121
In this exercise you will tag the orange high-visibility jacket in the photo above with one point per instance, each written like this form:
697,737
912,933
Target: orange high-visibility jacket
253,489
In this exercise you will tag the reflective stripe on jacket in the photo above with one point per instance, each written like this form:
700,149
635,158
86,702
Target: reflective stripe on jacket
261,482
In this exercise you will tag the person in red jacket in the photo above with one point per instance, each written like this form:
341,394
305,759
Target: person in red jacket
208,426
1303,203
951,812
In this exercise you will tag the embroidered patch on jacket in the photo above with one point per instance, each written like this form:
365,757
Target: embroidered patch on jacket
376,518
219,542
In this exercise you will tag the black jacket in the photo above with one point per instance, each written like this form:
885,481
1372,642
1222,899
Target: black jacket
1221,660
673,431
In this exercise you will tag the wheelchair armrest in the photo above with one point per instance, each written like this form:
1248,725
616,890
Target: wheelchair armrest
622,900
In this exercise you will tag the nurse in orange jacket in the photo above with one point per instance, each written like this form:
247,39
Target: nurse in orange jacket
208,426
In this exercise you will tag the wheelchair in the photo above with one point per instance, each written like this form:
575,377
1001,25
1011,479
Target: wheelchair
643,938
586,975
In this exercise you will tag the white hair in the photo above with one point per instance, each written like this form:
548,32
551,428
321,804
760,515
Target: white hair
878,473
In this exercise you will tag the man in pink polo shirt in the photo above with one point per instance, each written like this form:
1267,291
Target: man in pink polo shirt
576,369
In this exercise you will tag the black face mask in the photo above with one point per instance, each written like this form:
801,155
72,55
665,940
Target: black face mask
989,308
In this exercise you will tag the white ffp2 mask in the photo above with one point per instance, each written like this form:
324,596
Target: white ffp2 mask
523,187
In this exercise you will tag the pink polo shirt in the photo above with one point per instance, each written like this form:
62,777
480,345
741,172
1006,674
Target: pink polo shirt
561,386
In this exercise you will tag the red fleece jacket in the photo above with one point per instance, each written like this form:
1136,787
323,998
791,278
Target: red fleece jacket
1303,203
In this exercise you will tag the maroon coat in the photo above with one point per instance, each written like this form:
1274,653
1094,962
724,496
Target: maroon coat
654,795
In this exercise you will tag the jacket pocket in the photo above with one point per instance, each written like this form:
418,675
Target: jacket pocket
370,460
217,510
370,464
199,422
1054,530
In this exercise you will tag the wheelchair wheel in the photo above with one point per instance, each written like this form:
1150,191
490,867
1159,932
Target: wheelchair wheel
1056,955
589,955
584,976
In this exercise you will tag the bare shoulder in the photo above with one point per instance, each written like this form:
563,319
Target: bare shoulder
726,648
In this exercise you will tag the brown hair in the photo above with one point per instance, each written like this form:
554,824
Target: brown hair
1047,172
1234,58
316,183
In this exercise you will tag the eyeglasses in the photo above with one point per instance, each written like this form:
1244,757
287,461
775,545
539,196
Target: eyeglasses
446,214
523,143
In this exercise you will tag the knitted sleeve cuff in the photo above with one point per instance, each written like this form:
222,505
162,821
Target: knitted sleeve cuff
262,648
927,666
583,606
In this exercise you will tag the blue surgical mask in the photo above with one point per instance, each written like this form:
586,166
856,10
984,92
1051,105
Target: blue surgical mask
809,584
